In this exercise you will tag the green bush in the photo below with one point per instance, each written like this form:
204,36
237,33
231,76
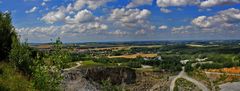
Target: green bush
2,88
134,64
171,63
1,71
78,57
20,56
45,77
108,86
188,67
212,66
47,70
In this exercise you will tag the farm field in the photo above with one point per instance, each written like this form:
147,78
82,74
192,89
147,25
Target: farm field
232,70
132,56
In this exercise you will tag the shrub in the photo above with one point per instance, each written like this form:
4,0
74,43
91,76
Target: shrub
78,57
1,71
134,64
188,67
108,86
47,70
2,88
20,56
45,77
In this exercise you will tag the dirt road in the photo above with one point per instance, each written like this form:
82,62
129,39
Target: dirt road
74,67
183,74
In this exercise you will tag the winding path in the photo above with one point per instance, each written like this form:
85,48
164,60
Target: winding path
182,74
74,67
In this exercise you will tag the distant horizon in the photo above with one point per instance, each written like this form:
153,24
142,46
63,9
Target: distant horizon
138,41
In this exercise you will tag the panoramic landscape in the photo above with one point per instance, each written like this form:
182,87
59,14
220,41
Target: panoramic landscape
119,45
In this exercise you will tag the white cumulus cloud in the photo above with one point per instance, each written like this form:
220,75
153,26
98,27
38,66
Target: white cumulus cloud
210,3
136,3
91,4
165,10
54,16
167,3
163,27
81,17
132,20
130,15
50,32
225,18
31,10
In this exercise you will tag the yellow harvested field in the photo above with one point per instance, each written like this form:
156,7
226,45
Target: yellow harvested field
195,45
233,70
125,47
44,46
111,48
135,56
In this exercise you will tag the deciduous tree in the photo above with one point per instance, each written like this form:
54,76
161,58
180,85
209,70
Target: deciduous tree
7,33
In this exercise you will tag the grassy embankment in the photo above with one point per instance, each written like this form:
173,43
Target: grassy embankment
12,79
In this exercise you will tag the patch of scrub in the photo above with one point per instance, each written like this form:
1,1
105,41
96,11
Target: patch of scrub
184,85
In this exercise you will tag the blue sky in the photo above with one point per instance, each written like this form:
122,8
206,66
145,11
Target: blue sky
124,20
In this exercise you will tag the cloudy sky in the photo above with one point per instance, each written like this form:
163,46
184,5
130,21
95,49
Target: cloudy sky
124,20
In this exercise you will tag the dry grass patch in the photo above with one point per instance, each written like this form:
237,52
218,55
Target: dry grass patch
44,46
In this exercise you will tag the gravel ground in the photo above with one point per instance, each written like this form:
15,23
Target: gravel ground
235,86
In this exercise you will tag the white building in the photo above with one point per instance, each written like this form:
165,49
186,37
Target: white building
184,61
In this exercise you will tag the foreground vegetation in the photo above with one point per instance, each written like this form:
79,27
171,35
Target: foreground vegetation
27,68
12,79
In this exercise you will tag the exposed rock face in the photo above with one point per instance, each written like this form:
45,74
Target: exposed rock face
150,81
74,81
88,79
115,75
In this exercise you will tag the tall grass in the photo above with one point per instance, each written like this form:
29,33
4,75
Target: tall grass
12,79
